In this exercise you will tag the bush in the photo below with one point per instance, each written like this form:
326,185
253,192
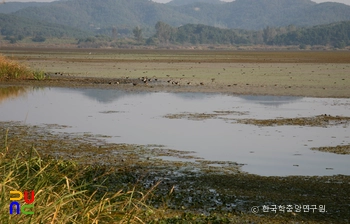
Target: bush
39,38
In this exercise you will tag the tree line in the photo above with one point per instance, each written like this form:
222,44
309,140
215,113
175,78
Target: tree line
336,35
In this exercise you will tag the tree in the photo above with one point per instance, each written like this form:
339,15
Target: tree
269,34
138,34
38,38
164,32
114,33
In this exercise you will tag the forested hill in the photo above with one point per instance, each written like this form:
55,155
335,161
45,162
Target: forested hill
243,14
16,28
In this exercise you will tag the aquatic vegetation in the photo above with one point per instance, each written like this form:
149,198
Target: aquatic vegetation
339,149
323,120
204,116
111,112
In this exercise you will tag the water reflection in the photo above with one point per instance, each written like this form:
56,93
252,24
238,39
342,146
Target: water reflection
12,92
110,96
271,100
103,96
138,118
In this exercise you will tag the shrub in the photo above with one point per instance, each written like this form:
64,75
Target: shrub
38,38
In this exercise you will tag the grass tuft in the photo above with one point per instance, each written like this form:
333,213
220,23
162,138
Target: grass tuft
39,75
10,69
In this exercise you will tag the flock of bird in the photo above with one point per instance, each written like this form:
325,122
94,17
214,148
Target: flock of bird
146,80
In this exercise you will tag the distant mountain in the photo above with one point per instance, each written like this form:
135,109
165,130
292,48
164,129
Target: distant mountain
258,14
239,14
9,7
188,2
96,14
15,26
322,14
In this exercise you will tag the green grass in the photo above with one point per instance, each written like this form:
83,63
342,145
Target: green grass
39,75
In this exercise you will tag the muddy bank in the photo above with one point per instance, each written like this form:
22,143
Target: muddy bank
281,73
195,191
164,85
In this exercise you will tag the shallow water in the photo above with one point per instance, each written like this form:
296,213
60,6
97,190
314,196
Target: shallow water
138,118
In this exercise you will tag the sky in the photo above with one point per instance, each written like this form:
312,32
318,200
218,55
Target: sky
164,1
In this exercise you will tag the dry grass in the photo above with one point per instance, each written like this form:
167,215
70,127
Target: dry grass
62,192
10,69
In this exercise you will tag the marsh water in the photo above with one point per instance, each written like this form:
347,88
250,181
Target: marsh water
140,118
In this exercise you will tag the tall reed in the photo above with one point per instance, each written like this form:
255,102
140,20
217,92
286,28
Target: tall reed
62,194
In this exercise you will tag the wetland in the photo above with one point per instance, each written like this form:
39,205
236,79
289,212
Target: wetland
217,153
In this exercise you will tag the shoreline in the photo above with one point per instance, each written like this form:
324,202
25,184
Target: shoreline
162,86
230,194
277,73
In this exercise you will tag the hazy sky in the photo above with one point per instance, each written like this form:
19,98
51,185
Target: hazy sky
164,1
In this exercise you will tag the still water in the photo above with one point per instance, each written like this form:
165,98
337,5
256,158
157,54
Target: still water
138,118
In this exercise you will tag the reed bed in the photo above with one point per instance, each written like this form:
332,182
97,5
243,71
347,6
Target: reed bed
64,192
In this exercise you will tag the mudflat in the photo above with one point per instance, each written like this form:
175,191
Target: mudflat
293,73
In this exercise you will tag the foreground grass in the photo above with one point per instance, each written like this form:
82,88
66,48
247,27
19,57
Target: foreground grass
62,193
